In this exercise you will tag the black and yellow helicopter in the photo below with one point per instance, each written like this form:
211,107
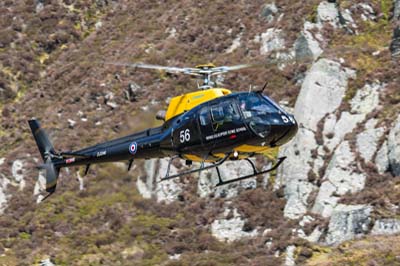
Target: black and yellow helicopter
211,125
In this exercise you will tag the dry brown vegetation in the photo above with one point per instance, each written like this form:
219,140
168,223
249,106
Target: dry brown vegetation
52,65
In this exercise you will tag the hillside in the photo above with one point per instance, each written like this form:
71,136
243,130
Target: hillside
335,64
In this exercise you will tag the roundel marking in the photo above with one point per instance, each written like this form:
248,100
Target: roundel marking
133,148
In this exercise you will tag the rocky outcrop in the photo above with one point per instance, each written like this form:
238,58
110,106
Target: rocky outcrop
340,178
230,228
386,227
394,148
348,222
149,185
327,82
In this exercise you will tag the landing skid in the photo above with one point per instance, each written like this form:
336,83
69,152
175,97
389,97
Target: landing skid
221,182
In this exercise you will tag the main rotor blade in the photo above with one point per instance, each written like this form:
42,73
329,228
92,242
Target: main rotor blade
157,67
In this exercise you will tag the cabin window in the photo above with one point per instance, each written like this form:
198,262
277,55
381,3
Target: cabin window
252,104
224,112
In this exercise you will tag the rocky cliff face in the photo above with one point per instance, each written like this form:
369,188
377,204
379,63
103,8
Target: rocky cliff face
335,68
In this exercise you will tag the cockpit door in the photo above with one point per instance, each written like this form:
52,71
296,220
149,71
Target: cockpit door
221,123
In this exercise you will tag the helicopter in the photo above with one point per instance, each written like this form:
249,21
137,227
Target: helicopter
210,125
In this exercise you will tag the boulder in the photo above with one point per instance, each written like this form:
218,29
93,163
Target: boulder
271,40
340,178
328,13
269,11
290,259
386,227
348,222
394,148
307,45
230,229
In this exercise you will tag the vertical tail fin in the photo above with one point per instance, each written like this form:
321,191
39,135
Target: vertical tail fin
41,138
46,150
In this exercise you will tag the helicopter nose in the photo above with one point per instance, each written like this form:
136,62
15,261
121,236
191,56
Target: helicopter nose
287,129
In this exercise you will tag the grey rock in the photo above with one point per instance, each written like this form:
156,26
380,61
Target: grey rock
396,11
338,129
339,179
382,159
148,186
208,180
269,11
327,82
347,21
386,227
395,45
314,237
271,40
40,186
294,171
394,148
71,123
302,49
289,259
328,13
133,92
367,12
235,44
367,141
46,262
17,170
348,222
312,40
4,182
230,230
366,99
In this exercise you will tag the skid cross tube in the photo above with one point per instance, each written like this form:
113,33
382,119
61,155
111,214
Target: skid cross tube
218,163
280,160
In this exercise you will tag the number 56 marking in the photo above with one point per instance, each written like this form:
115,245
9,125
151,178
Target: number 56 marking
184,135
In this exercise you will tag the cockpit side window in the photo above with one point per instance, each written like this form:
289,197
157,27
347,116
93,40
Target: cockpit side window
204,116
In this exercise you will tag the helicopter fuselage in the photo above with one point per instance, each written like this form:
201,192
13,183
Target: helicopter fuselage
241,124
